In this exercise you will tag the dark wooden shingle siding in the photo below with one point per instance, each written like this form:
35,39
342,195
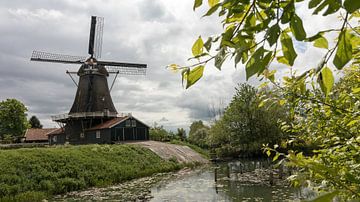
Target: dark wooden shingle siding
124,132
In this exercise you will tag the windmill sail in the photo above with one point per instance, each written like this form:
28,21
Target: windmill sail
92,35
57,58
98,36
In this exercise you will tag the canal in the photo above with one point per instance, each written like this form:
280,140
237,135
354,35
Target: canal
245,180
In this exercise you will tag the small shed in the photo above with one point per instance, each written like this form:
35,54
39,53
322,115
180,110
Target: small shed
118,129
57,136
37,135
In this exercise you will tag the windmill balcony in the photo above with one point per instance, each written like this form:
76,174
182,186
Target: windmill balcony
81,115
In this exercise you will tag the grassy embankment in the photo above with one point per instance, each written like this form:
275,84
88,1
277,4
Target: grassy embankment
36,173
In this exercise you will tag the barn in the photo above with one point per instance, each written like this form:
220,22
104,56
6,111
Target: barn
118,129
37,135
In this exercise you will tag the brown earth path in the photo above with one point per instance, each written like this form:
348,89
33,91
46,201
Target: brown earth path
183,154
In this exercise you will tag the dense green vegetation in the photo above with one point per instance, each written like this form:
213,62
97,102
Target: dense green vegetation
13,122
198,134
332,123
38,172
35,122
246,125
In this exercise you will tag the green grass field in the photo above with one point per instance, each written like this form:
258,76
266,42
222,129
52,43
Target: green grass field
34,173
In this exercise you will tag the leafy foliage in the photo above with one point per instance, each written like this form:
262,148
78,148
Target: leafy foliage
254,29
181,134
246,126
199,134
35,122
13,122
332,123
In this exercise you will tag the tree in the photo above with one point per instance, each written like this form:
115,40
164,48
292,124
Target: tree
181,133
332,123
158,133
35,122
247,126
13,120
198,134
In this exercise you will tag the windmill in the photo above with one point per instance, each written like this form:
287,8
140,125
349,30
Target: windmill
92,104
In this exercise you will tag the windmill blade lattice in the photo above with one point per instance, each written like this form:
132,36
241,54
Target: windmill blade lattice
58,58
126,70
98,36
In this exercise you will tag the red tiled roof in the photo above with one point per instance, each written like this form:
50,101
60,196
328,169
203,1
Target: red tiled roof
56,132
36,134
110,123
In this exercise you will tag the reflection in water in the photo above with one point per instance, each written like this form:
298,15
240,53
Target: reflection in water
233,183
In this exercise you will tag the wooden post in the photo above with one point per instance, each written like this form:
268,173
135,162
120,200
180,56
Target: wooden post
271,177
215,174
228,171
281,172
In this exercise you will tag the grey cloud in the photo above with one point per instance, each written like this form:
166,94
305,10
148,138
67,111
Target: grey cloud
153,11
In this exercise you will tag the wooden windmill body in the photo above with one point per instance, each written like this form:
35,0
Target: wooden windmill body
93,117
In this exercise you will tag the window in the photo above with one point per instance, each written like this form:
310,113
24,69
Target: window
133,123
54,138
98,134
82,135
128,123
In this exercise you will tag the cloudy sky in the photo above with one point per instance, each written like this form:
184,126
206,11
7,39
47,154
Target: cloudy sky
155,32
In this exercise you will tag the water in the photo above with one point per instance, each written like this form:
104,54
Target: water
200,185
235,181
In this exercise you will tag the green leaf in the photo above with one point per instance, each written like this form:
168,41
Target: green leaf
297,28
314,3
253,65
288,12
332,7
321,42
207,44
288,48
273,33
276,156
212,10
194,75
197,3
328,197
326,80
257,62
197,48
351,5
268,152
213,2
220,58
356,90
344,50
282,60
184,74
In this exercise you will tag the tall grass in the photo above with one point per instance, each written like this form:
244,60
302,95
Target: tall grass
62,169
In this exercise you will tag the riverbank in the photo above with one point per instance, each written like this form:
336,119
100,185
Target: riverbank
36,173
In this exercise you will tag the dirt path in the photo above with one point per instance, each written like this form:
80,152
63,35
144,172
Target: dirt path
182,153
